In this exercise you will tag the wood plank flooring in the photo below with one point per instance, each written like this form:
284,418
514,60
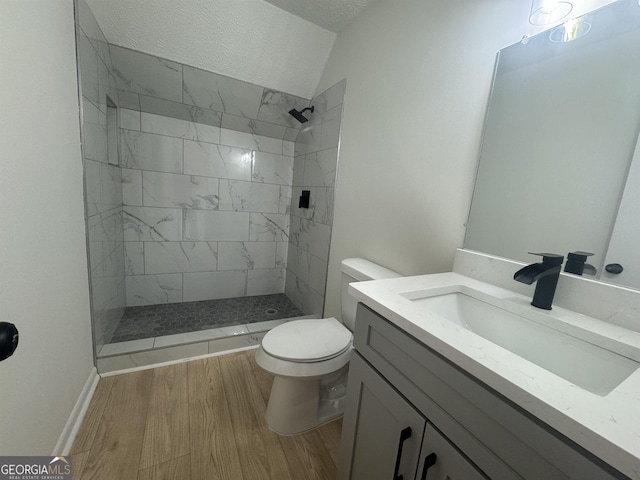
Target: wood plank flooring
195,421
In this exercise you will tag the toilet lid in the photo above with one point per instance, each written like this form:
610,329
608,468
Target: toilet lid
310,340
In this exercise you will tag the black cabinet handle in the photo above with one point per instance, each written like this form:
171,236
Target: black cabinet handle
404,434
429,461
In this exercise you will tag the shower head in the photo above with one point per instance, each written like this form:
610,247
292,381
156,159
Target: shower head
298,115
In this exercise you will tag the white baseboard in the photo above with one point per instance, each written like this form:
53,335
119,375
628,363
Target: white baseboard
70,430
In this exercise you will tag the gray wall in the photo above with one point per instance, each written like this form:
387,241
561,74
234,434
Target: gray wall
43,279
418,81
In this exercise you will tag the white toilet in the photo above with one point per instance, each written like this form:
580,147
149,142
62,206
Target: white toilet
310,360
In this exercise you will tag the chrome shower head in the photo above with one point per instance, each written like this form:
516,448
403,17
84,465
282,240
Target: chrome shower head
299,115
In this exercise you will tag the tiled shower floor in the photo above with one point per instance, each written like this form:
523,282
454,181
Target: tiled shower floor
173,318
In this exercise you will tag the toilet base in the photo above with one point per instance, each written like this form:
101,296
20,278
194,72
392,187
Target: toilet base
297,405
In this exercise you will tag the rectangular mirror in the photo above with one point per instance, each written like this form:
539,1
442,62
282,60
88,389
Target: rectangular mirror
559,138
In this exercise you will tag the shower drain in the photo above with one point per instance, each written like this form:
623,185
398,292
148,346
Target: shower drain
271,311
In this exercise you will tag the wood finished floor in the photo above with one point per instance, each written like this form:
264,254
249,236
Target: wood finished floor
194,421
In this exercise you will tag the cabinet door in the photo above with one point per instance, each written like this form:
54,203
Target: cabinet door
439,460
382,432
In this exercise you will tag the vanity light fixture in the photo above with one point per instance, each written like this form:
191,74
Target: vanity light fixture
546,12
571,30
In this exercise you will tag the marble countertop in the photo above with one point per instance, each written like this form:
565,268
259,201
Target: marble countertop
608,426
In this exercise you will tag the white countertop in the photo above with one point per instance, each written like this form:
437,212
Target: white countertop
608,426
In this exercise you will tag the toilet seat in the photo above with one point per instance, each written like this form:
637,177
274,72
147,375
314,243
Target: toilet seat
307,341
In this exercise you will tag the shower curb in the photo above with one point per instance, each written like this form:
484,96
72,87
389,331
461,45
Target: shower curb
152,351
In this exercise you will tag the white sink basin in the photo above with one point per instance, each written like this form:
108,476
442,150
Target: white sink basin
580,362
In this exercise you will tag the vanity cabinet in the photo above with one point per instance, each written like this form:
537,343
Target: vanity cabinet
389,429
392,439
406,406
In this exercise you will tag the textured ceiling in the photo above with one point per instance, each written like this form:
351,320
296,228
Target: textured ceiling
250,40
333,15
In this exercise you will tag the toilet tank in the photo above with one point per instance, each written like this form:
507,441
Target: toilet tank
358,270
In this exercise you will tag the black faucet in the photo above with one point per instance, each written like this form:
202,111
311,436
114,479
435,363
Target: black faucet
546,274
576,264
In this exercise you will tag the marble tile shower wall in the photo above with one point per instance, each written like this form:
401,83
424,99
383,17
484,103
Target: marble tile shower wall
103,192
315,165
206,210
202,207
207,181
155,85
